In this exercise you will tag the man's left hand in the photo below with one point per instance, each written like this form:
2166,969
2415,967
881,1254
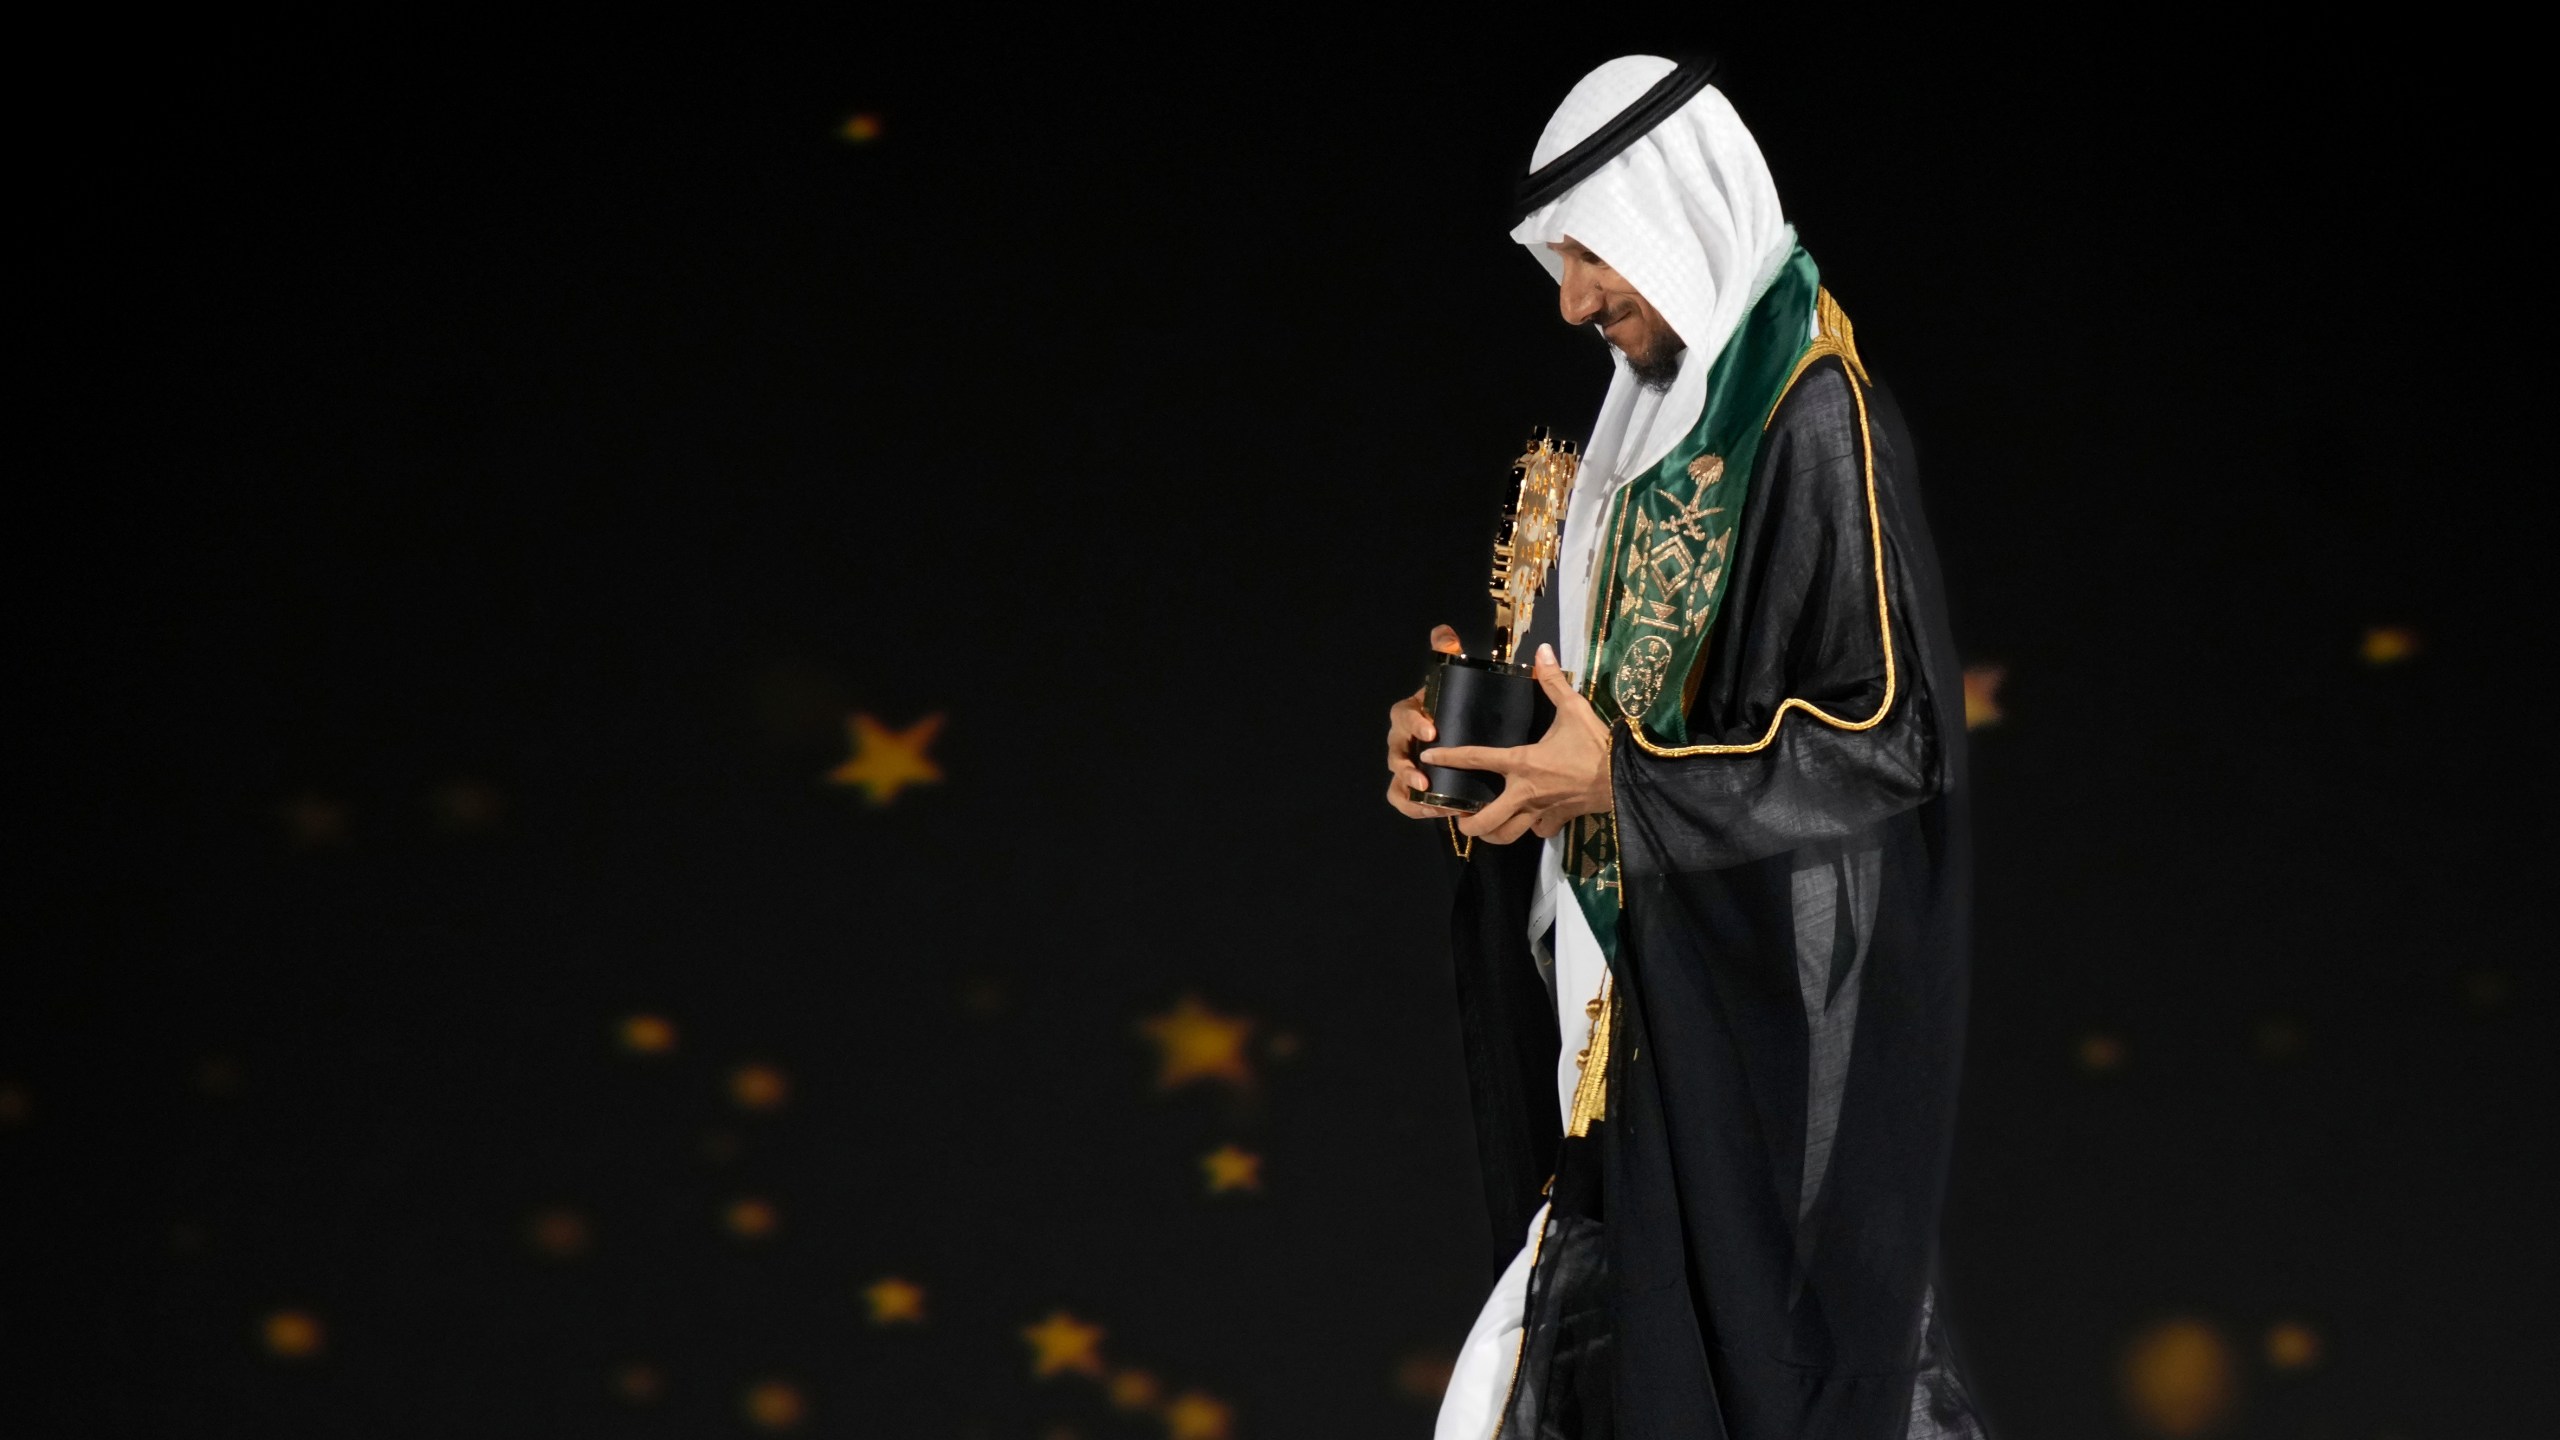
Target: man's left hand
1564,775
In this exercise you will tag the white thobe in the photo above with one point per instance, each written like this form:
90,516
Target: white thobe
1574,965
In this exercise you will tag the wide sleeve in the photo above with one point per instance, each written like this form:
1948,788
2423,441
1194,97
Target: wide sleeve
1810,714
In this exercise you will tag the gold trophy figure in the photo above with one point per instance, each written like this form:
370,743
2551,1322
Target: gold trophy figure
1496,701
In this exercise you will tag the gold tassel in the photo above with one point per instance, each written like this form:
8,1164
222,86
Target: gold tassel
1591,1092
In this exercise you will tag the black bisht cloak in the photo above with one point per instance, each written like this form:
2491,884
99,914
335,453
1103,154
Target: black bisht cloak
1744,1249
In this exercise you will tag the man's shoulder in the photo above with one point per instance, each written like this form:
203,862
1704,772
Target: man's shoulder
1818,417
1821,393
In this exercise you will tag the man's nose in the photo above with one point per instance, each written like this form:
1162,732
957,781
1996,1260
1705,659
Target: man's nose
1579,304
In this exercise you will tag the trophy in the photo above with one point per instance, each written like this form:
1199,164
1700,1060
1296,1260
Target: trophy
1494,701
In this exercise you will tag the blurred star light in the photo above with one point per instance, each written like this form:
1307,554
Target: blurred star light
2281,1039
638,1384
1061,1344
775,1405
2292,1345
463,806
648,1034
886,761
313,820
17,1106
1136,1390
1195,1416
1424,1375
894,1301
219,1076
559,1233
982,997
860,129
751,1219
1229,1169
2179,1379
292,1335
1198,1043
2389,644
2484,989
758,1087
1982,694
2101,1053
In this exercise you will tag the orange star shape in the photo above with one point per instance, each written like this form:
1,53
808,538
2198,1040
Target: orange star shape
1196,1416
294,1335
2389,644
1229,1168
1982,694
895,1301
886,761
1199,1044
1062,1343
1136,1390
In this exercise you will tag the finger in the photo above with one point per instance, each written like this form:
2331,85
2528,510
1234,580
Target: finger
1445,640
1406,719
1493,816
1496,758
1505,834
1551,677
1545,826
1404,803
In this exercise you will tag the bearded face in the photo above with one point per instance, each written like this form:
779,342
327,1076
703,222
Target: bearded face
1592,293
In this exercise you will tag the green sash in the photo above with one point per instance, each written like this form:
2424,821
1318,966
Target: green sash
1669,538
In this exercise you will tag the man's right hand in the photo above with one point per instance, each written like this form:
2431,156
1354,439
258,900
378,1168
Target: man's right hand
1407,725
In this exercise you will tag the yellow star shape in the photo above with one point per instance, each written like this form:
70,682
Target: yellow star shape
895,1301
1229,1168
1062,1343
1198,1043
1982,694
1196,1416
886,761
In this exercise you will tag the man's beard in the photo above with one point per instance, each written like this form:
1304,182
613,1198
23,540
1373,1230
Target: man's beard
1658,366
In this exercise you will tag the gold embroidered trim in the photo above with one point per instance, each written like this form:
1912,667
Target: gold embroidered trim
1836,338
1464,847
1830,344
1591,1092
1600,612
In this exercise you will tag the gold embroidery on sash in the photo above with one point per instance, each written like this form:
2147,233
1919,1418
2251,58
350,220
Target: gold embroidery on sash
1836,340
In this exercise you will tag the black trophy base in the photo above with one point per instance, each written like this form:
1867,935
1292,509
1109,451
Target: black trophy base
1477,702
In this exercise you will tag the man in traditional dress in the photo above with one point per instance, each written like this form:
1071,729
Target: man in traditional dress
1712,1023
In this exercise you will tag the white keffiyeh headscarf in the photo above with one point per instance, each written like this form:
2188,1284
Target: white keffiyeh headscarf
1687,213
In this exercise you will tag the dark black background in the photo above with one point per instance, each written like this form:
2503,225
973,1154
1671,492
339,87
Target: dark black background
585,420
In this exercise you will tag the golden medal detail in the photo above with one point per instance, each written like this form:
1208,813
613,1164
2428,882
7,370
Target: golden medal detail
1495,700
